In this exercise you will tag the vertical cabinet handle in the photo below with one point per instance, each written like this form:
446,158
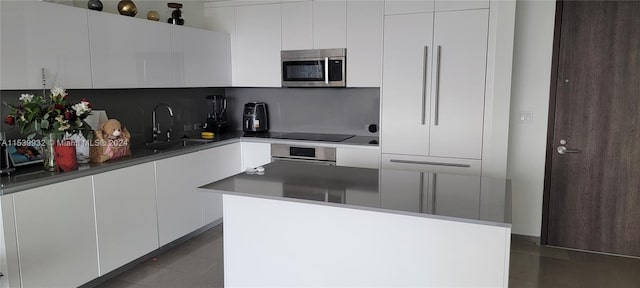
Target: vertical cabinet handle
433,193
421,201
424,84
437,98
326,70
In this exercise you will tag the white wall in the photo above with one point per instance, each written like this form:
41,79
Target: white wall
530,93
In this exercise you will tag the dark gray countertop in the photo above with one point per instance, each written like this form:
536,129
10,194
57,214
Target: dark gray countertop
34,176
455,197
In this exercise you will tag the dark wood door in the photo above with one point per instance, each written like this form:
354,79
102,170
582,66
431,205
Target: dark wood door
594,195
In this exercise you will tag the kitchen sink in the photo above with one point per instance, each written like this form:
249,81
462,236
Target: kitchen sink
175,144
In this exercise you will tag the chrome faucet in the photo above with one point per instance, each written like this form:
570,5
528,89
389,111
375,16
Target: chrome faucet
156,124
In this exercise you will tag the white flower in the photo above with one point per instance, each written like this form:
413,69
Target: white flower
81,108
26,98
64,124
57,91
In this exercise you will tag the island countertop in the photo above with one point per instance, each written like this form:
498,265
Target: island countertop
470,199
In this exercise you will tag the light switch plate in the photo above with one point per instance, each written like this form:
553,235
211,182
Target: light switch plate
526,117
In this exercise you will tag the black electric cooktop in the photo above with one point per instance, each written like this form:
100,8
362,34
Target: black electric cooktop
313,137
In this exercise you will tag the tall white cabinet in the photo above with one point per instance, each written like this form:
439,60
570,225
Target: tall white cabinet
38,35
434,86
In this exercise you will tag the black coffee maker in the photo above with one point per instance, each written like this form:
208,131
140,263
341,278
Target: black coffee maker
217,119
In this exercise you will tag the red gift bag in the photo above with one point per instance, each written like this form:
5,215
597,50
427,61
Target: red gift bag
65,152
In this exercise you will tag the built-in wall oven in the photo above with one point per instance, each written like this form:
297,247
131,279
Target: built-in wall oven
303,153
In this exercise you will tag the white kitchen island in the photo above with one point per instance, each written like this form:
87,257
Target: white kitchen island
300,225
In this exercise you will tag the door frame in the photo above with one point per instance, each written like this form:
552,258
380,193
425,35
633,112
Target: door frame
551,123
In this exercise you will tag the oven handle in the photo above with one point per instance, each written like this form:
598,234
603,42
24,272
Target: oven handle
312,161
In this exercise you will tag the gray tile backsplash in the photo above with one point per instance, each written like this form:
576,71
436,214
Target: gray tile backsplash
314,110
319,110
132,107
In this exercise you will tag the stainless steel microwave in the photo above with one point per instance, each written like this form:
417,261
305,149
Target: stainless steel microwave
314,68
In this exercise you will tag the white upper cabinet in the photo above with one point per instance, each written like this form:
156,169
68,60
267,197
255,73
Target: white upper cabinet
37,35
392,7
258,45
364,43
449,5
202,58
407,79
457,95
297,25
223,20
129,52
329,24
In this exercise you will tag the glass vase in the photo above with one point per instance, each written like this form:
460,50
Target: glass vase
49,156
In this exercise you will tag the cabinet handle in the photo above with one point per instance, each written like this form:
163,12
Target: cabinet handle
433,194
326,70
437,100
429,163
424,83
421,202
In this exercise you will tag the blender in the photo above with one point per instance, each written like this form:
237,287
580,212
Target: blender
216,119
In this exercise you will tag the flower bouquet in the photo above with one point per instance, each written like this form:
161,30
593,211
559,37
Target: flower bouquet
50,118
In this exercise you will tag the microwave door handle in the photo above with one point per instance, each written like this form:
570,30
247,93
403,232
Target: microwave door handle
326,70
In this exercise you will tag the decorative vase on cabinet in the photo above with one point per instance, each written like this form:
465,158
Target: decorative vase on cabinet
127,8
95,5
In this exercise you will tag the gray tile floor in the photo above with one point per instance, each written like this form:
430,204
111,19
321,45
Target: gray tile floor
198,263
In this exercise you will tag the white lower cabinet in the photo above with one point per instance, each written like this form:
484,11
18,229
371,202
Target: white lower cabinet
125,215
217,163
255,154
56,234
179,211
182,208
358,157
